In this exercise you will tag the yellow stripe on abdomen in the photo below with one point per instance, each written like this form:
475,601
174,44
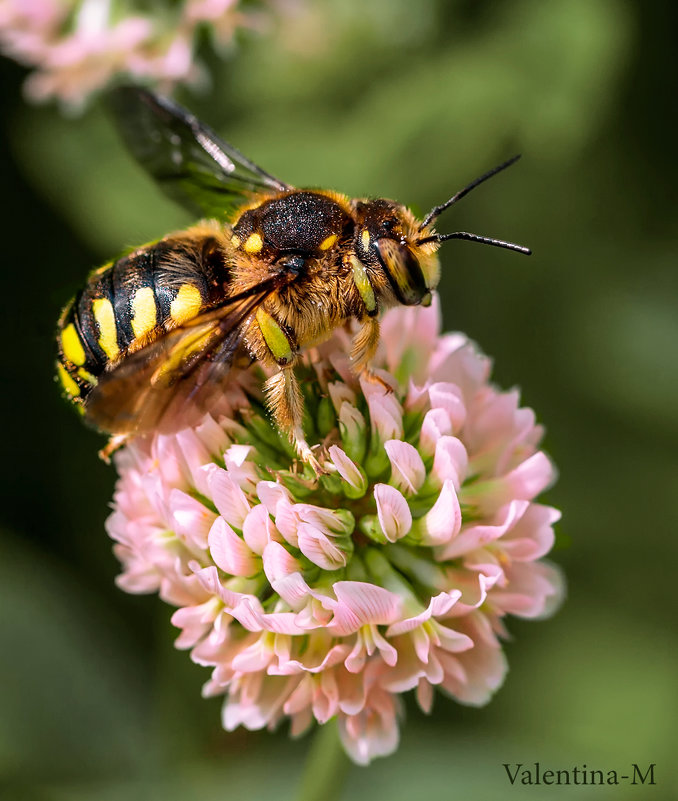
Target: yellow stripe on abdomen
186,304
71,345
86,376
69,385
144,312
108,333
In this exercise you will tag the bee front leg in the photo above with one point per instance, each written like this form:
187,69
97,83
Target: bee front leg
286,404
363,350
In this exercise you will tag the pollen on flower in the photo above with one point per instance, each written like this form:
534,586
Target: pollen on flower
312,599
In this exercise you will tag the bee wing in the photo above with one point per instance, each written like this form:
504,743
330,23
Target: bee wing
188,160
166,384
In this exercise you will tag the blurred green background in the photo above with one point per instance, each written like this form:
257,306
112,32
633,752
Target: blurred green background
411,101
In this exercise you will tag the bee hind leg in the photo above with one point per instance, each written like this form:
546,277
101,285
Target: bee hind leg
286,404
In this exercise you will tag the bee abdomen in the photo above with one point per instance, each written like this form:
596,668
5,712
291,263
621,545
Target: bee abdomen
78,367
131,302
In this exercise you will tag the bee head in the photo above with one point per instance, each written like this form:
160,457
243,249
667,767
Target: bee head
386,240
390,240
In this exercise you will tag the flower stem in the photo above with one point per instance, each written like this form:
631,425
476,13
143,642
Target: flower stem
326,766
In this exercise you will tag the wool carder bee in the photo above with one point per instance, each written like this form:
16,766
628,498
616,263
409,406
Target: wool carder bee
270,271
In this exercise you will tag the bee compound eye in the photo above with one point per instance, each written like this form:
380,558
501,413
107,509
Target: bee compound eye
402,270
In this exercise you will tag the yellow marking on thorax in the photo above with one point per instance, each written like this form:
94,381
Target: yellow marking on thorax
68,384
108,333
145,313
363,284
365,236
274,336
253,244
186,304
72,345
235,241
329,242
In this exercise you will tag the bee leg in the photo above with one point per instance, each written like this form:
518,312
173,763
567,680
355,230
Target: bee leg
286,404
364,348
115,442
364,345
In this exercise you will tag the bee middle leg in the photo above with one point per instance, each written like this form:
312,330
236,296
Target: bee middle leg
286,404
363,350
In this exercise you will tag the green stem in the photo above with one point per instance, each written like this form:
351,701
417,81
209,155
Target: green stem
326,766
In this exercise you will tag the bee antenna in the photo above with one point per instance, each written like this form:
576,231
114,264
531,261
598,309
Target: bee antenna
436,211
484,240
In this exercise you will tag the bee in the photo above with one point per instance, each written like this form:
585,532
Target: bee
270,271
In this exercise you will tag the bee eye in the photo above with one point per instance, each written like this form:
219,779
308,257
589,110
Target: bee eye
388,225
402,270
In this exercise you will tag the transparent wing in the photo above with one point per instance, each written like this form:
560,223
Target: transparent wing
192,165
166,384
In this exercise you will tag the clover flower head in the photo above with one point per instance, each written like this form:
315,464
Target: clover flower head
312,599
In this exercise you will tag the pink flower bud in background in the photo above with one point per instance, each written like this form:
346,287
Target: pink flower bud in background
78,47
